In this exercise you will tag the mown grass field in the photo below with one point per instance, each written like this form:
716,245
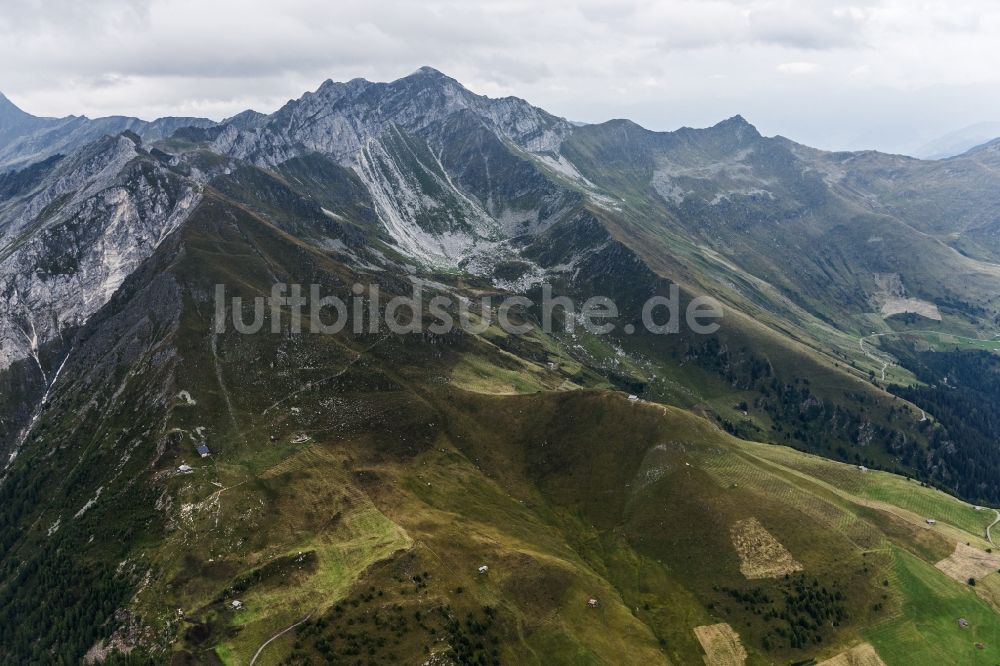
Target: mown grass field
931,608
884,487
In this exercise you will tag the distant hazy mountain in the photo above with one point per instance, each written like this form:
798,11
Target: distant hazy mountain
25,138
959,141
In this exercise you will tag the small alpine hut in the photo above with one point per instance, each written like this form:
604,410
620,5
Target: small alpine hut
202,449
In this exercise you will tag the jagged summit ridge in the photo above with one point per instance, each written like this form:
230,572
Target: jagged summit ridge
398,138
337,119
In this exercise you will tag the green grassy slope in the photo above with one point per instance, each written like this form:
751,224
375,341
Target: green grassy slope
586,495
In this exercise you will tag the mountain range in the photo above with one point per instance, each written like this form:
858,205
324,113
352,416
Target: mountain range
811,481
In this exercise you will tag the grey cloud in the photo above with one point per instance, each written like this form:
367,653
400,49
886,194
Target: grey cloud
796,27
668,62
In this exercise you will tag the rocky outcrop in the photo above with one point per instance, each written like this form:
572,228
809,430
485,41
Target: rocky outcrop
67,245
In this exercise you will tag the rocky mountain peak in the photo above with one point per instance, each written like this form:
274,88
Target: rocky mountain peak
12,117
738,126
429,75
246,119
431,72
7,107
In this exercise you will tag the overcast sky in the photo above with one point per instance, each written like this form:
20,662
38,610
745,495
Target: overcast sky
886,74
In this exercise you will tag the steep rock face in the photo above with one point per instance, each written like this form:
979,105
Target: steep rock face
108,401
407,142
420,208
67,245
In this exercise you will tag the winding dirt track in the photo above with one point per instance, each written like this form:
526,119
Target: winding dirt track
275,637
989,537
886,364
